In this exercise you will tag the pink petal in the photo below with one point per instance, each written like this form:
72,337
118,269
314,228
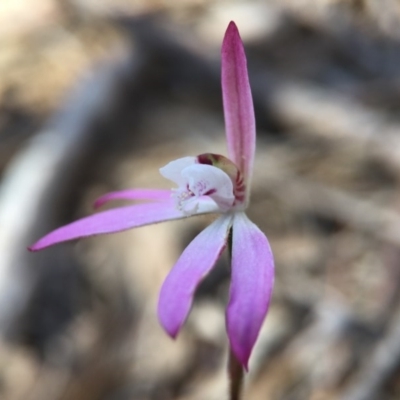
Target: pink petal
251,286
116,220
196,261
134,194
238,103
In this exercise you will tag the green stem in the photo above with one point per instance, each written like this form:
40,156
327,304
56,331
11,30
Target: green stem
235,369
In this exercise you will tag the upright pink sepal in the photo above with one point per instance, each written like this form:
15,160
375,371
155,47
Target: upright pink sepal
251,286
196,261
134,194
238,103
115,220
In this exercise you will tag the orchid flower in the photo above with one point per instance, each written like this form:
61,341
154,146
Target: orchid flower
208,183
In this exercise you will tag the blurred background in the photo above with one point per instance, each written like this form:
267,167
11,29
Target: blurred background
96,96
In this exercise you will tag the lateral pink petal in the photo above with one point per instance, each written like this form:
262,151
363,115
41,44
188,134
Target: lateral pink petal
110,221
238,103
134,194
196,261
251,286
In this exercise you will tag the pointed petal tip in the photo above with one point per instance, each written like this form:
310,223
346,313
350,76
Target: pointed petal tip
231,34
37,246
170,327
172,333
242,355
98,203
232,26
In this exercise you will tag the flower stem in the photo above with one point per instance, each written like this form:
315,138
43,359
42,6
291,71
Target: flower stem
235,369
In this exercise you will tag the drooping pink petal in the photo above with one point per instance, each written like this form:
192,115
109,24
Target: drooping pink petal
196,261
251,286
134,194
238,103
115,220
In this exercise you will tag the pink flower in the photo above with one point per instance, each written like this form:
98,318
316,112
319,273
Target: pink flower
208,183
